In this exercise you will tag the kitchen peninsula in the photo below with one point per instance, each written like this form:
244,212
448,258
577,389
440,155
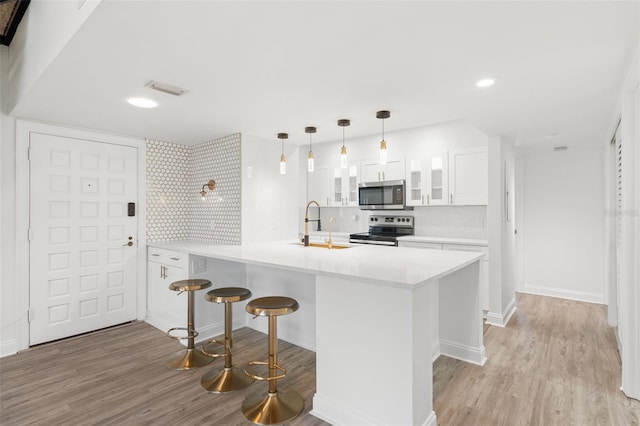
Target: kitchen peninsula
376,317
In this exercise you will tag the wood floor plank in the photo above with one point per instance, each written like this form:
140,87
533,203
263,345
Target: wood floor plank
555,363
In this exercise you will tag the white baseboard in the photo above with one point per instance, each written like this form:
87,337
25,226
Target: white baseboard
436,351
338,414
502,319
580,296
469,354
8,347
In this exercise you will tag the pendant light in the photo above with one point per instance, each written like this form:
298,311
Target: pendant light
283,161
383,144
310,130
343,151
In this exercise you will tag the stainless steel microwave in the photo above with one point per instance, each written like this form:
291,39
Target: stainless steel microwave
385,195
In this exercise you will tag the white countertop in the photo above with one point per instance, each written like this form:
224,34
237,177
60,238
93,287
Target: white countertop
444,240
392,266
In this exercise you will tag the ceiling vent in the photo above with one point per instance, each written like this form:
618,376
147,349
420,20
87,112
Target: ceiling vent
560,148
166,88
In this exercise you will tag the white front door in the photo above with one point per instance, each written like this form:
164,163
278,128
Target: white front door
83,261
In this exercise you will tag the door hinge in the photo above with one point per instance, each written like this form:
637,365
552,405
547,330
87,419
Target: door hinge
29,234
29,315
29,154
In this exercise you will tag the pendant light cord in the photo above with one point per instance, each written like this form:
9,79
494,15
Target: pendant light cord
343,136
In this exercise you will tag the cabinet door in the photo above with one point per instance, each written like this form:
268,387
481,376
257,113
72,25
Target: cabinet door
318,186
372,171
416,183
469,176
437,179
350,188
336,185
166,308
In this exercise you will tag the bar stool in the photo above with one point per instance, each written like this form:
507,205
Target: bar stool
188,358
229,378
272,407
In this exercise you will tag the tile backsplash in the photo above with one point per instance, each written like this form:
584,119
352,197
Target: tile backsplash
167,191
217,218
175,175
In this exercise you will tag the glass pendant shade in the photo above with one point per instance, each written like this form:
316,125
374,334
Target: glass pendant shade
310,164
383,152
344,161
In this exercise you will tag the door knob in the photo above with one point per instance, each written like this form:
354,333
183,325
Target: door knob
130,243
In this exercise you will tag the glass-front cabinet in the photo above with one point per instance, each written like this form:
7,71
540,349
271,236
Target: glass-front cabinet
427,180
344,186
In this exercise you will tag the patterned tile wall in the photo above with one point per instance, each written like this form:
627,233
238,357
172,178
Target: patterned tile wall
175,175
217,218
167,191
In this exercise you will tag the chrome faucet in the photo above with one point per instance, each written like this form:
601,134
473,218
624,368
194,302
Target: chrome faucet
306,222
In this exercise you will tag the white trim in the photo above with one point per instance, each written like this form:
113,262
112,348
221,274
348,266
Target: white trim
501,320
23,131
581,296
8,347
463,352
344,415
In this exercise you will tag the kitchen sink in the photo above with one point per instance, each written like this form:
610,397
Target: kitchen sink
325,245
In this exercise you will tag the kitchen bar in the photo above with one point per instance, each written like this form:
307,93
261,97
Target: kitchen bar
381,314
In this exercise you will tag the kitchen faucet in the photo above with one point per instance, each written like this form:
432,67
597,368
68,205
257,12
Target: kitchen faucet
306,221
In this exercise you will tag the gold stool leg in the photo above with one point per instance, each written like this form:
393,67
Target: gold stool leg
273,407
229,378
190,357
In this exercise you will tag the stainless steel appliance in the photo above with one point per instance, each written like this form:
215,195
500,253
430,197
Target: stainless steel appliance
385,195
384,230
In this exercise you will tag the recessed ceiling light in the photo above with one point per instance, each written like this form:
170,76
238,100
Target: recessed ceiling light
485,82
142,102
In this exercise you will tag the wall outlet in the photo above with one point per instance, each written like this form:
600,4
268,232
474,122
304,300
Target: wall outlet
198,264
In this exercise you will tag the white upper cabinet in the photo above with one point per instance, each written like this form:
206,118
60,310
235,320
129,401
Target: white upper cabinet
469,176
318,186
344,186
373,171
427,180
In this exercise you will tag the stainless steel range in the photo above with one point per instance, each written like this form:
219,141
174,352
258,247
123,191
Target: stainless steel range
384,230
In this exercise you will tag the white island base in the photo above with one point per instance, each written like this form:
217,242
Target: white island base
377,328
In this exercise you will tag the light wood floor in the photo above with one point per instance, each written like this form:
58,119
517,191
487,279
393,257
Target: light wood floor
554,364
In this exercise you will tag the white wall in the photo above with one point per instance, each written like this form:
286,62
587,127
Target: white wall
7,217
43,32
269,199
563,225
501,236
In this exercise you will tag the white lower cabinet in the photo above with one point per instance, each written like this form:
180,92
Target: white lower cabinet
484,263
166,308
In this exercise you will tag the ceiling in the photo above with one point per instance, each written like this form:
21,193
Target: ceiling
266,67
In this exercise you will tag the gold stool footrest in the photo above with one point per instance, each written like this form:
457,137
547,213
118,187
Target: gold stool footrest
213,354
190,333
253,376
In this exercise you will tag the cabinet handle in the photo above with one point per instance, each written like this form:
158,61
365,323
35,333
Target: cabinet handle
174,258
383,176
422,198
327,201
450,198
155,254
162,272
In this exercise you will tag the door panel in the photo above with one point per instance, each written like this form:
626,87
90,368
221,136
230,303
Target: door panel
82,270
